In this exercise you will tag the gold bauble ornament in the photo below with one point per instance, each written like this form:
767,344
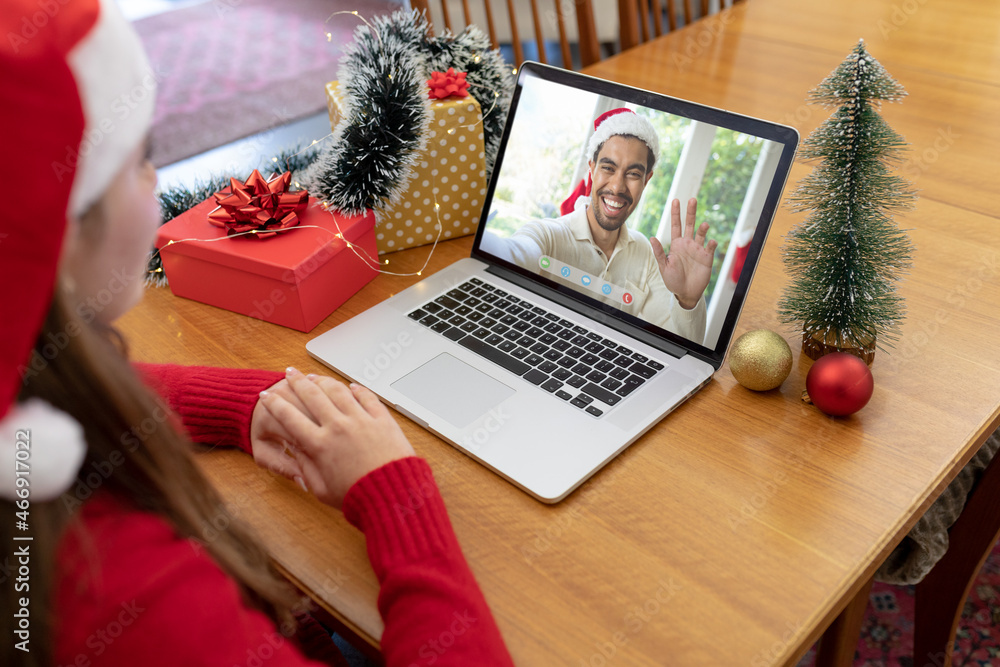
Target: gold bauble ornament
760,360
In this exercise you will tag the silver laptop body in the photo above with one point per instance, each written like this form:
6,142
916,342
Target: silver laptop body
537,419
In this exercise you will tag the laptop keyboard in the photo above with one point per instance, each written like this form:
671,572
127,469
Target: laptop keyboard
567,360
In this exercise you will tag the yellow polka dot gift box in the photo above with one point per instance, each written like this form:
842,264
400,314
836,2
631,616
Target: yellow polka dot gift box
450,172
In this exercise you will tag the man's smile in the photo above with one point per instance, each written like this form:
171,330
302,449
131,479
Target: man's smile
613,205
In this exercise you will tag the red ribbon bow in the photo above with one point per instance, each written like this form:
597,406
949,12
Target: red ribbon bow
264,206
447,84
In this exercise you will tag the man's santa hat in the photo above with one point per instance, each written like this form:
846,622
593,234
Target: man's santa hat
78,99
616,122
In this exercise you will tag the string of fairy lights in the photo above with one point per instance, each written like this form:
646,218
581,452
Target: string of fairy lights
358,250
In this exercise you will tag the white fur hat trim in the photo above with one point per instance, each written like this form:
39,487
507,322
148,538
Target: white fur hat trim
41,445
117,88
627,122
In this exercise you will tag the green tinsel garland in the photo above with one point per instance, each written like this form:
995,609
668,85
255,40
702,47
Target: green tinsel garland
369,161
383,127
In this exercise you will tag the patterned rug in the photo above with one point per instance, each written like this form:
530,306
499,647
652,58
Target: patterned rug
227,69
887,633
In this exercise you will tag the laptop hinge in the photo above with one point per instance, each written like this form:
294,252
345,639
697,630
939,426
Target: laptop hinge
590,313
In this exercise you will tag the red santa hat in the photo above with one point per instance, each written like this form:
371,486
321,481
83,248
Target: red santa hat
616,122
78,99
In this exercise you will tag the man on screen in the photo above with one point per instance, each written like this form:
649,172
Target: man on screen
665,290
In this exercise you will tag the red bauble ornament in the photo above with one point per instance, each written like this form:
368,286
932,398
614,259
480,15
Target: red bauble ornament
839,384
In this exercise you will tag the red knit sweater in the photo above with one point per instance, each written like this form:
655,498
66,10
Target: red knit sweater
131,592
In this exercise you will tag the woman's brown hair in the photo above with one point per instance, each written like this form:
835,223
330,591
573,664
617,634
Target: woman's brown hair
80,367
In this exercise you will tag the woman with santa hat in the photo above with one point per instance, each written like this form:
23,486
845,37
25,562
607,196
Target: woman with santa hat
104,510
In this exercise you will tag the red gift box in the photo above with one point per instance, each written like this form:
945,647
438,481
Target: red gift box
294,278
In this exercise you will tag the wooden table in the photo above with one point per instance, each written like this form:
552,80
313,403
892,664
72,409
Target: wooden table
737,529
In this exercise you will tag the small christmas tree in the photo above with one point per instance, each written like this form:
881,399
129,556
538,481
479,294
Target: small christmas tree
847,256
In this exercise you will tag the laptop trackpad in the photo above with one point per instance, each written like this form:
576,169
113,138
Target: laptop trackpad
453,390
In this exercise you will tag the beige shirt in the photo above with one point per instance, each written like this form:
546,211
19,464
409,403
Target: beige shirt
631,266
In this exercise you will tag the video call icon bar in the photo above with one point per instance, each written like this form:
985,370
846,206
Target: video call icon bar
581,279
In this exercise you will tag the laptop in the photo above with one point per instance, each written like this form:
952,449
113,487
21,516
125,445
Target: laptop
532,355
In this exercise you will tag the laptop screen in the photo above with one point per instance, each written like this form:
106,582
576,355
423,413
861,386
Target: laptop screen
602,216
